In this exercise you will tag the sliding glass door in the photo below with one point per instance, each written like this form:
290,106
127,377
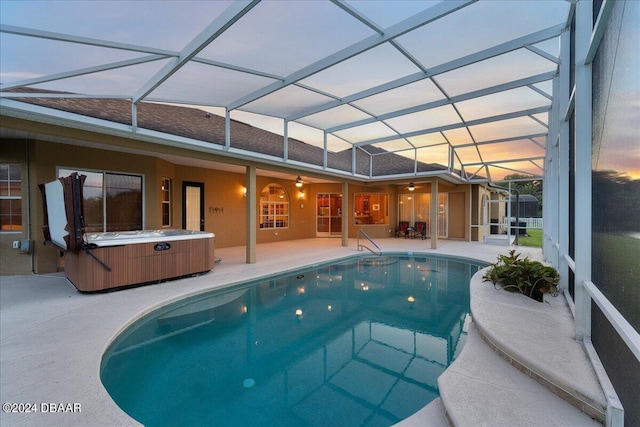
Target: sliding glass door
415,207
328,215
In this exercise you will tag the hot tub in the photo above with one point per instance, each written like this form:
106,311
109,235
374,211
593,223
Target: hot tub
115,260
96,262
118,238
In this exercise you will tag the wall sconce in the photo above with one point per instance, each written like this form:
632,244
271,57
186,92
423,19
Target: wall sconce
244,191
298,182
299,313
412,186
411,300
301,195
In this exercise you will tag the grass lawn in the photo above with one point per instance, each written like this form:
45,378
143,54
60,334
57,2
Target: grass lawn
533,238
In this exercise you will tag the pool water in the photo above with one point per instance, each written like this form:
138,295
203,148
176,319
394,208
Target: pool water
356,343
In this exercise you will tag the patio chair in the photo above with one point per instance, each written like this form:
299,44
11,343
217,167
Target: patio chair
420,229
402,229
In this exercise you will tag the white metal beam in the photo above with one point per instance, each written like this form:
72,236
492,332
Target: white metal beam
582,161
60,95
358,15
485,120
403,27
458,98
448,66
49,35
503,161
542,53
562,168
598,30
82,72
497,141
540,122
518,171
540,92
219,25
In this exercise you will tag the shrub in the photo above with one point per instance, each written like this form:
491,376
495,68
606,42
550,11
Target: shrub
530,278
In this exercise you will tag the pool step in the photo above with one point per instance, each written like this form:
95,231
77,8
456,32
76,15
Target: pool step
500,239
482,388
521,365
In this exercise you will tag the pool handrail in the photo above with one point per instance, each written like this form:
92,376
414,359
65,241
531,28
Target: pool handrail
366,236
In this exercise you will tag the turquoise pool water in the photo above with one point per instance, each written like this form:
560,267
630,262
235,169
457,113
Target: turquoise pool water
356,343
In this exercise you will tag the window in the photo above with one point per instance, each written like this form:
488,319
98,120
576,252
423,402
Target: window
274,207
10,197
371,208
112,201
166,202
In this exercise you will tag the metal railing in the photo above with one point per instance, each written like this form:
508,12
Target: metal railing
366,236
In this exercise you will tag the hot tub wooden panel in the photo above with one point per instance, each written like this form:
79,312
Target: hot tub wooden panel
139,263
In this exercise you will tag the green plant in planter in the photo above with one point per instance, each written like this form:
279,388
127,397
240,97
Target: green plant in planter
531,278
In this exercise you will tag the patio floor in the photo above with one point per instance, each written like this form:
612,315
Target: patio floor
52,337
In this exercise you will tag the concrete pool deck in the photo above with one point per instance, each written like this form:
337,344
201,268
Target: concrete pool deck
52,339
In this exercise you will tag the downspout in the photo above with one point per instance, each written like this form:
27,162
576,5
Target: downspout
29,213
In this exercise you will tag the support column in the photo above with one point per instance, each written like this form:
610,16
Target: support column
434,214
134,116
252,214
227,130
346,210
582,162
550,181
562,168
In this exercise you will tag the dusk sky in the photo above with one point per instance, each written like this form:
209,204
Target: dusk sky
277,38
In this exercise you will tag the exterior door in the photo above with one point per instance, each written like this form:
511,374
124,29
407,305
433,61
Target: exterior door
328,215
193,206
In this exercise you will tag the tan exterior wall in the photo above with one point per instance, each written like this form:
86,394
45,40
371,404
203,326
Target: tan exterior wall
225,205
45,160
457,224
223,190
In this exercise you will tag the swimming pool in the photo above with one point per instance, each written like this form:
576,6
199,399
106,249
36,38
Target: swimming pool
358,342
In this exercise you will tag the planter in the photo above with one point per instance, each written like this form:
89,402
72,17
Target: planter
521,275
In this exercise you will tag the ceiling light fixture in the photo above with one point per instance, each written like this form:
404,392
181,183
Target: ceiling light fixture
298,182
412,186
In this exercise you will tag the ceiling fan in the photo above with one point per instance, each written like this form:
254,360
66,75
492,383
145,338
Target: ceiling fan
412,186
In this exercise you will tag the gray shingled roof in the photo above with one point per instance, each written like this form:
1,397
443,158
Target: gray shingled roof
200,125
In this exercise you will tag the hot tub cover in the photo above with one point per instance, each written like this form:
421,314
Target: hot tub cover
64,212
